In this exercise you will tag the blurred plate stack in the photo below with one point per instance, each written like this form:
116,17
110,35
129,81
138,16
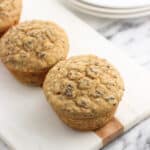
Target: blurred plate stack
113,8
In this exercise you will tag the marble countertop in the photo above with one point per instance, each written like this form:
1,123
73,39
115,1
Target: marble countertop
133,37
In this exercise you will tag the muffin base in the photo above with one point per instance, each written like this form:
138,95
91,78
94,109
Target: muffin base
31,78
86,124
5,29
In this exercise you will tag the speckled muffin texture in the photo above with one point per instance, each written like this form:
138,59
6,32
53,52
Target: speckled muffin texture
10,11
84,91
31,48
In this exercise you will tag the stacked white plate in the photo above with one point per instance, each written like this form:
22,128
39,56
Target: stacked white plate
113,8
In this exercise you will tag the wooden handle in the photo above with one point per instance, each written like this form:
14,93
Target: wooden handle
110,131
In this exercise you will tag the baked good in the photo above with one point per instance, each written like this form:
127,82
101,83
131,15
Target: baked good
84,91
31,48
10,11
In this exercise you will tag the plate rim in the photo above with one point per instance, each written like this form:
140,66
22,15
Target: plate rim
98,9
115,16
113,6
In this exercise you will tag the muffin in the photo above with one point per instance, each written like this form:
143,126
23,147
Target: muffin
31,48
10,11
84,91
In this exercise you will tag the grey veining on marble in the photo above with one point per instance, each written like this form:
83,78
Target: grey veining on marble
3,146
133,37
136,139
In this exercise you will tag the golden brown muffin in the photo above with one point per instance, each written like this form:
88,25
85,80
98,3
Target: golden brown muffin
31,48
10,11
84,91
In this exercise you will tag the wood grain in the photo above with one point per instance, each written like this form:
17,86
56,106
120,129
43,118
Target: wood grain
110,131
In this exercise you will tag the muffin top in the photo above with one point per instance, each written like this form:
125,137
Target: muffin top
33,46
9,11
84,86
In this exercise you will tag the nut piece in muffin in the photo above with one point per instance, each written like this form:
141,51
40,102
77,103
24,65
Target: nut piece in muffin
84,91
10,11
31,48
